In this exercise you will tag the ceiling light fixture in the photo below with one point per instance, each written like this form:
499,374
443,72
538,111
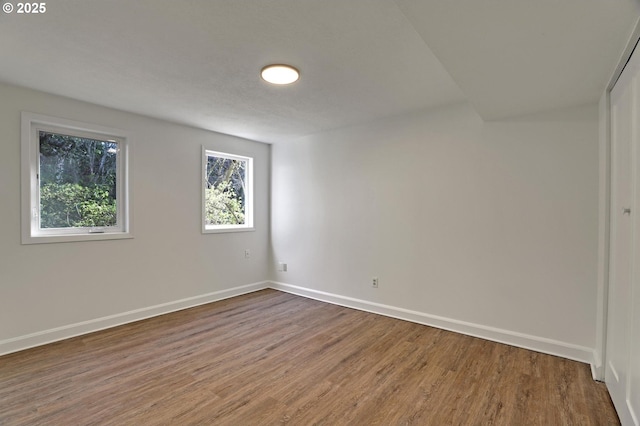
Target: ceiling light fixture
280,74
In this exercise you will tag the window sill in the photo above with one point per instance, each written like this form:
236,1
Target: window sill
43,239
220,230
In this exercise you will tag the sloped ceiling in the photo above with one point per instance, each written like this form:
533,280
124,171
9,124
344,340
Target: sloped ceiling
197,62
516,57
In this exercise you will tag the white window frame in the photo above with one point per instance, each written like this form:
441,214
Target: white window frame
248,201
32,124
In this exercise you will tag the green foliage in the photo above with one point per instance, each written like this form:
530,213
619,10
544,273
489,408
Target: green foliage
71,159
225,192
73,205
77,181
222,206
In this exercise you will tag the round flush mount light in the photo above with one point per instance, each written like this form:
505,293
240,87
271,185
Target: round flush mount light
280,74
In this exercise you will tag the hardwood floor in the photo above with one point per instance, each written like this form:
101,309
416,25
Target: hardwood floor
270,358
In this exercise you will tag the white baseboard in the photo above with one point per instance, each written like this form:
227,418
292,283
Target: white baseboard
72,330
539,344
535,343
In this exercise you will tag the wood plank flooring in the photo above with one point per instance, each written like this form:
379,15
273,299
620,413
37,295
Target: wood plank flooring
271,358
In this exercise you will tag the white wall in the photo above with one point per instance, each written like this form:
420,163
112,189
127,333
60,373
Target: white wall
485,228
47,286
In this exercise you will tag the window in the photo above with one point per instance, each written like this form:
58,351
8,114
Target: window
74,181
227,192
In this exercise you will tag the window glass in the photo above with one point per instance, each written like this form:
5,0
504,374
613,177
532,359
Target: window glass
227,192
77,181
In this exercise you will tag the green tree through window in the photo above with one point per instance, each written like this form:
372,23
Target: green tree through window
225,199
227,192
77,180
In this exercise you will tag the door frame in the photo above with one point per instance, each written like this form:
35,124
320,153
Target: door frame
604,208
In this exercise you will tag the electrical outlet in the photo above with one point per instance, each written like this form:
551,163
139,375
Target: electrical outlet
247,253
282,267
374,282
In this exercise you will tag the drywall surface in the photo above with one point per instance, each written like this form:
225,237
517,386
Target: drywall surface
47,286
490,224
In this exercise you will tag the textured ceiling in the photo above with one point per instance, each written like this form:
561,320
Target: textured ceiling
198,62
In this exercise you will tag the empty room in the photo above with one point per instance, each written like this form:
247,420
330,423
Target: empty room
363,212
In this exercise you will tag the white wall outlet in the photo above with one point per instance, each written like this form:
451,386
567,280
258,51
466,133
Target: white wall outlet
374,282
247,253
282,267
